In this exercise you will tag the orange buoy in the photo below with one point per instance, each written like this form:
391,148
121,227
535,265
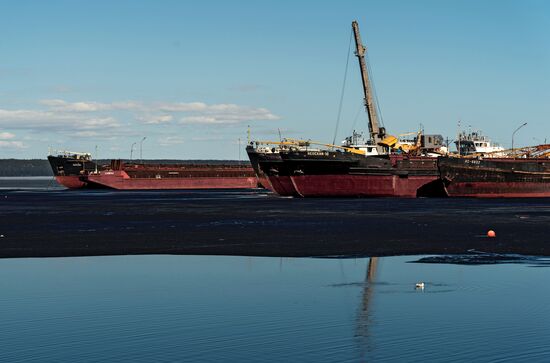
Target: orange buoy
491,233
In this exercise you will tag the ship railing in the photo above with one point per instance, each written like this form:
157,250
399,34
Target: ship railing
307,143
75,154
537,151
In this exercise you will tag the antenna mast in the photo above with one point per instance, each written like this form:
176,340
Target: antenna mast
376,132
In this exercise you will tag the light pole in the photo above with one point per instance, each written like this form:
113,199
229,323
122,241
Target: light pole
132,151
514,133
141,149
239,150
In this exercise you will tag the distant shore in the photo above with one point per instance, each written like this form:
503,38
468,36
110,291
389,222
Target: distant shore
256,223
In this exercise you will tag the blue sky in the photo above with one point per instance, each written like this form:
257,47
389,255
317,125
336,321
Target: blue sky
191,76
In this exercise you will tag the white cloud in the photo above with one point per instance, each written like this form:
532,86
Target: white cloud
6,135
155,119
199,120
86,134
229,114
170,140
98,119
12,144
183,107
62,105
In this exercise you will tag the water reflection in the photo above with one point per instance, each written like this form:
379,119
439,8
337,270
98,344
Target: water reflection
364,318
212,308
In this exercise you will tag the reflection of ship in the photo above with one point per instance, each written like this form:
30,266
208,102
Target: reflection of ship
368,169
69,166
364,316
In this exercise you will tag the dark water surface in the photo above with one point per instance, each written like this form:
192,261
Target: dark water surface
29,183
38,219
245,309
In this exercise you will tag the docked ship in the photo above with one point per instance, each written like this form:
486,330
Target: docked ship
378,166
76,170
139,176
524,173
270,152
69,166
257,151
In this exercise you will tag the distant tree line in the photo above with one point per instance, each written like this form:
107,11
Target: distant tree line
40,167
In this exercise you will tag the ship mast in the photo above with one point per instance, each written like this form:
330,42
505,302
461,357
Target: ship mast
376,132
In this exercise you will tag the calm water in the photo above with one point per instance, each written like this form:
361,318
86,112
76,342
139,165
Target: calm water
213,308
29,183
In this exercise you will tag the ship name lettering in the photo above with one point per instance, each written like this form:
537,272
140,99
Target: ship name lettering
477,162
321,153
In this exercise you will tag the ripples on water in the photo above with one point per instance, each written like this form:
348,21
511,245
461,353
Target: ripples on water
201,308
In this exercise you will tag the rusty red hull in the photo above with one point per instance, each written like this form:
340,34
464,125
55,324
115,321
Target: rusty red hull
283,186
71,181
498,190
120,180
359,185
495,178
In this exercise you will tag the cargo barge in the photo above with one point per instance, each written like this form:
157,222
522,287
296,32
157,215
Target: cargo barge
121,176
77,170
495,177
327,174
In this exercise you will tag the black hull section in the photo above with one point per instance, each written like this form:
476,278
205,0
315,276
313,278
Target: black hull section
337,174
495,178
339,163
63,166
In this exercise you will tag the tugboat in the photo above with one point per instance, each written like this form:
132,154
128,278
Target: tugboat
475,143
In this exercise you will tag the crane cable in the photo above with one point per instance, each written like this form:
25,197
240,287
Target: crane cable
343,89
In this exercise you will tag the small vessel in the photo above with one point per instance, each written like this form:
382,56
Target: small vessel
475,143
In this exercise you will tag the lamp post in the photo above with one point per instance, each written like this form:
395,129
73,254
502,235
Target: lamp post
239,150
132,150
514,133
141,149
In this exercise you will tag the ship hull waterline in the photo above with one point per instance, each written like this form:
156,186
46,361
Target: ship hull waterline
70,181
360,185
